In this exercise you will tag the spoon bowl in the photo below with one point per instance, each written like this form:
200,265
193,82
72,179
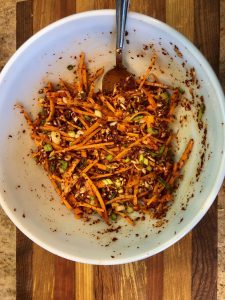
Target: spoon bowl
119,74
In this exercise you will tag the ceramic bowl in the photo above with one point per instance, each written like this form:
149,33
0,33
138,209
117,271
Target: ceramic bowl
26,194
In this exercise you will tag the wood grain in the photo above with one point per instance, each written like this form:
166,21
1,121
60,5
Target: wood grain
64,287
178,259
24,28
178,270
84,285
46,12
152,8
187,270
43,274
180,15
58,274
207,30
204,240
24,252
24,249
204,257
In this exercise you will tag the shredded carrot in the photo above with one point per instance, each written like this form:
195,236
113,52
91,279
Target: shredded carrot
109,153
125,151
152,199
101,166
126,217
121,198
155,84
96,191
107,103
82,147
90,166
150,98
173,101
122,170
143,79
89,206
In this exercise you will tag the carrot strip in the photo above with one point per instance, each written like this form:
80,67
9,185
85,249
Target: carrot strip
107,103
125,151
79,71
143,79
156,84
173,100
91,135
89,206
82,147
111,174
90,166
151,200
126,217
52,110
150,99
101,166
26,116
97,74
122,198
96,191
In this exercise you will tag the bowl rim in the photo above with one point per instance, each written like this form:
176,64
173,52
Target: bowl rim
220,175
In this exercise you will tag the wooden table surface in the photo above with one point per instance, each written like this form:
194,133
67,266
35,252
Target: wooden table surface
187,270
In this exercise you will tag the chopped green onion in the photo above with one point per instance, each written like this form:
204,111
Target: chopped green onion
161,150
165,184
117,183
88,118
70,67
71,134
107,181
181,91
126,160
109,157
113,195
63,165
201,112
48,147
159,153
113,217
51,157
137,118
149,168
152,130
130,209
42,122
165,96
145,161
141,158
43,112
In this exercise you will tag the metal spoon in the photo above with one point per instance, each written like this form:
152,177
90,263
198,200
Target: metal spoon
119,74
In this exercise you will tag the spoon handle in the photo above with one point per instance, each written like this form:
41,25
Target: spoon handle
121,18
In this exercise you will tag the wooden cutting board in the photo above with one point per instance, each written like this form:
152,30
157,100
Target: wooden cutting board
187,270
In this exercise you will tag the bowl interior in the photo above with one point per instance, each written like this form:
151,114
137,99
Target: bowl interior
26,194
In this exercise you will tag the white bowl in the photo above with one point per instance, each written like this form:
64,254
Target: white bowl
45,57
